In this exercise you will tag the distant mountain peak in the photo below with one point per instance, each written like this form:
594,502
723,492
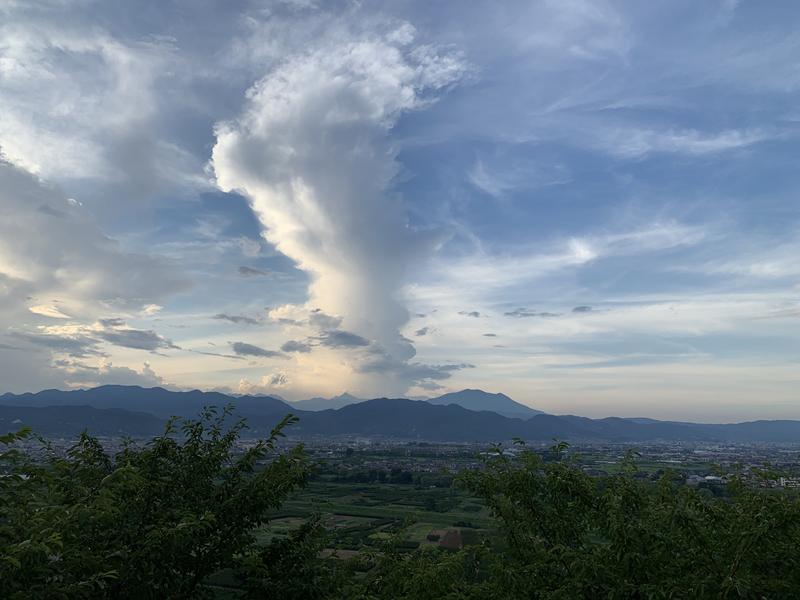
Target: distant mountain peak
480,400
319,403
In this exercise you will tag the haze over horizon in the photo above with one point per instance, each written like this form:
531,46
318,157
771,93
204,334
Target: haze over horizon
588,206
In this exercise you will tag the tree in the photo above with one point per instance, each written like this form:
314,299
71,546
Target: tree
568,535
157,521
151,522
294,568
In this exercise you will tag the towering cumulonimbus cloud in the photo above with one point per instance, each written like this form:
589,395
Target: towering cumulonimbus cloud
312,153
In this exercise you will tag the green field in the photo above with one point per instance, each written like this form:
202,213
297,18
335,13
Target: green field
360,516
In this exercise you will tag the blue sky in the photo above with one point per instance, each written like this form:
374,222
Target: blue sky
590,206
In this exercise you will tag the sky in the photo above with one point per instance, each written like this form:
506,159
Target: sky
589,206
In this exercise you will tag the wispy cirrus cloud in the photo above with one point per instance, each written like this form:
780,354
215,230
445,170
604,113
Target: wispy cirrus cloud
476,274
635,143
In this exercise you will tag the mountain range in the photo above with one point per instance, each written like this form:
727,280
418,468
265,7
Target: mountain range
469,399
131,410
318,403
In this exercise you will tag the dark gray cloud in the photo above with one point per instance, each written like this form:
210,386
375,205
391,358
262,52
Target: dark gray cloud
138,339
252,272
217,354
582,309
53,212
245,349
416,373
337,338
295,346
422,331
238,319
320,320
78,346
431,386
112,322
522,313
449,368
288,321
316,319
470,313
86,342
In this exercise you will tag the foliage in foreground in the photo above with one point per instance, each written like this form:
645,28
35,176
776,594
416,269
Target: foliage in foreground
156,522
571,536
566,535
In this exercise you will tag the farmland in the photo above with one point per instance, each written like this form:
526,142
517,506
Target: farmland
368,492
361,516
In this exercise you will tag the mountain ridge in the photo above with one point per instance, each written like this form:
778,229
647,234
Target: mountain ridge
320,403
473,399
156,400
134,410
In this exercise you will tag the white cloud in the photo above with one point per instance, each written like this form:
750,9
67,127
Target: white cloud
51,249
582,29
753,260
266,385
477,275
80,103
504,175
48,310
55,263
628,142
311,151
151,309
97,97
82,375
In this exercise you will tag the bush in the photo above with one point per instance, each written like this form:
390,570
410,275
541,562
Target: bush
159,520
151,522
